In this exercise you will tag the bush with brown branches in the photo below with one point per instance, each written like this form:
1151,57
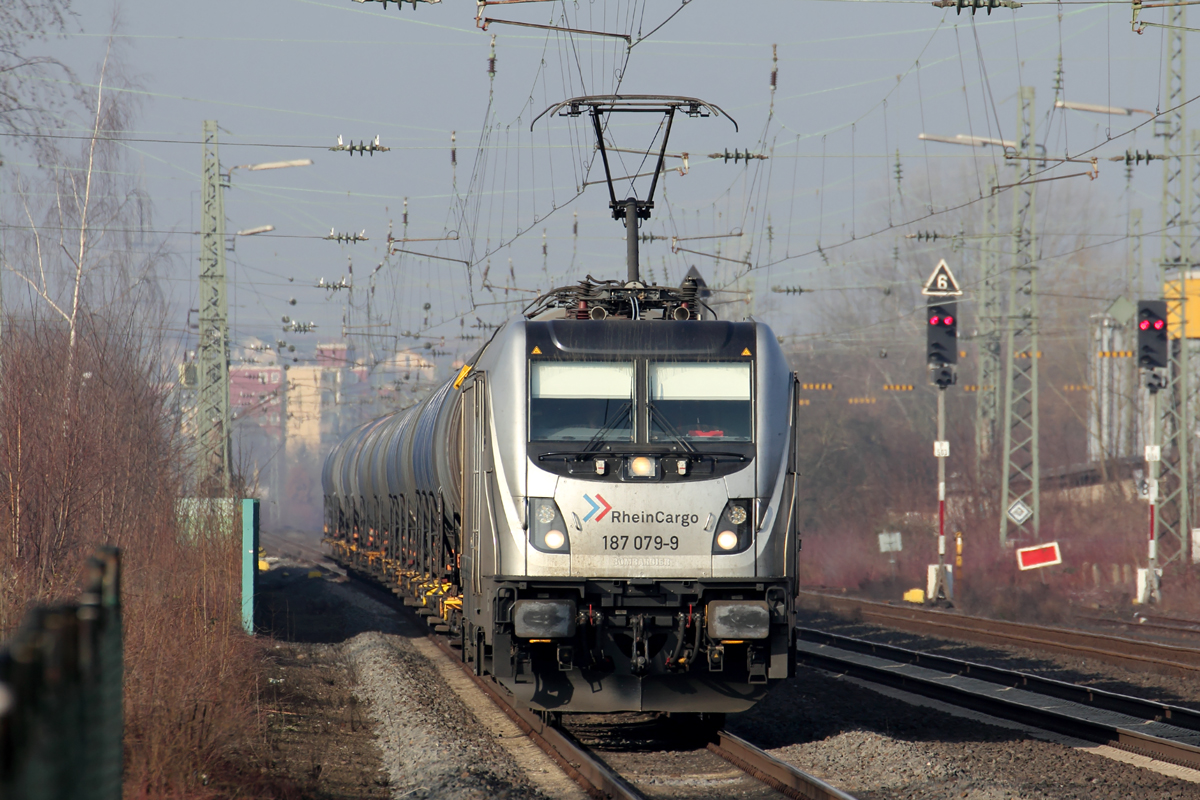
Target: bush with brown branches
90,454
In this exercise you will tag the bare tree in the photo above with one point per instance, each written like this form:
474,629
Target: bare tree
85,246
27,102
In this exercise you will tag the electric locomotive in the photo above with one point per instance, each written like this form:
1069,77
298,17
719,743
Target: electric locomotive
599,505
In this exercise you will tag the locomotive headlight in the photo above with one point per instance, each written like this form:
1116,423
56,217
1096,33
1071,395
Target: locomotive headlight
734,534
547,529
727,540
641,467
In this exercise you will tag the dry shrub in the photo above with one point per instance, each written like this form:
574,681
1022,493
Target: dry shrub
1096,536
89,455
192,674
868,468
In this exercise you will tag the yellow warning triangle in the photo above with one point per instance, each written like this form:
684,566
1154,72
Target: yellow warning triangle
745,351
537,351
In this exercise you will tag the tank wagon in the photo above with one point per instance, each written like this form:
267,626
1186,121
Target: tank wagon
599,505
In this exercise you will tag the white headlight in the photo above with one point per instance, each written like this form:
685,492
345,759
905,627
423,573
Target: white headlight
556,539
642,467
726,540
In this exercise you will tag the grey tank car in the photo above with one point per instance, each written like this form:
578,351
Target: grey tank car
599,506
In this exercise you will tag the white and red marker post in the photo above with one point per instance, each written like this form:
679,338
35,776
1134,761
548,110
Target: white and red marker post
1153,456
942,588
1154,362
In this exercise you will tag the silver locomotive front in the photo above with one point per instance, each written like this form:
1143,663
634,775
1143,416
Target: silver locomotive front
627,514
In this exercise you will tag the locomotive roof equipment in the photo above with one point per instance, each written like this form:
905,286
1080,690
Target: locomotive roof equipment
632,209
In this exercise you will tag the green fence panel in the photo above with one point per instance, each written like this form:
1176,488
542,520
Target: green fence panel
61,712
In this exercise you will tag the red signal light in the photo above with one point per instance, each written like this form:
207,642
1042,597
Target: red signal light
1144,324
934,320
948,320
1158,324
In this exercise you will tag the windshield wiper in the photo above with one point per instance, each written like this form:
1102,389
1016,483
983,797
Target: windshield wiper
670,429
598,438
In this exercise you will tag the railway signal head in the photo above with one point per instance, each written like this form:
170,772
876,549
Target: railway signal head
1152,334
941,340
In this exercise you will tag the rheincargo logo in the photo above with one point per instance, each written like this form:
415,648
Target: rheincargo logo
658,517
596,507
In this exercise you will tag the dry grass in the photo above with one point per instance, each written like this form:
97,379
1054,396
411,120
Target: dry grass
89,455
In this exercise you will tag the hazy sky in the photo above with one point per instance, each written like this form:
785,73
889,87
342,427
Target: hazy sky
857,81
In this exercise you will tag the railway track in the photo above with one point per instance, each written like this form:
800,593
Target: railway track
1137,654
1154,625
1157,730
667,759
592,772
293,543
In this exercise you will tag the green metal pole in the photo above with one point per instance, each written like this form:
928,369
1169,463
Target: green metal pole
212,413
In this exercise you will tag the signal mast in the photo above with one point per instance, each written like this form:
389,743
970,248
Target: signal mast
1152,355
941,359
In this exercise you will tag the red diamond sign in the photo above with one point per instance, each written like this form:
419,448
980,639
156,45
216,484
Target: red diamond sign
1041,555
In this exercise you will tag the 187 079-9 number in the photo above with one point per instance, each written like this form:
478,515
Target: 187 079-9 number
623,542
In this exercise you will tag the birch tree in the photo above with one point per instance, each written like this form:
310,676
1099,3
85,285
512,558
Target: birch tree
28,102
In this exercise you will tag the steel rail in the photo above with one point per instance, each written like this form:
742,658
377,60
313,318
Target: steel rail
779,775
1148,710
580,764
1051,719
599,780
1129,653
1144,626
587,769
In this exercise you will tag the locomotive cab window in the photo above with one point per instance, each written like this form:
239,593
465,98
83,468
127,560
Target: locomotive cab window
700,402
579,402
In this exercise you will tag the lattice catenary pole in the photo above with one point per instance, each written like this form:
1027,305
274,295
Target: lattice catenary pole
212,411
1171,527
987,396
1021,475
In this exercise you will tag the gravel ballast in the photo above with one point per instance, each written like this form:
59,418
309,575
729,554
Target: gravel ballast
434,741
435,734
432,745
880,743
875,746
